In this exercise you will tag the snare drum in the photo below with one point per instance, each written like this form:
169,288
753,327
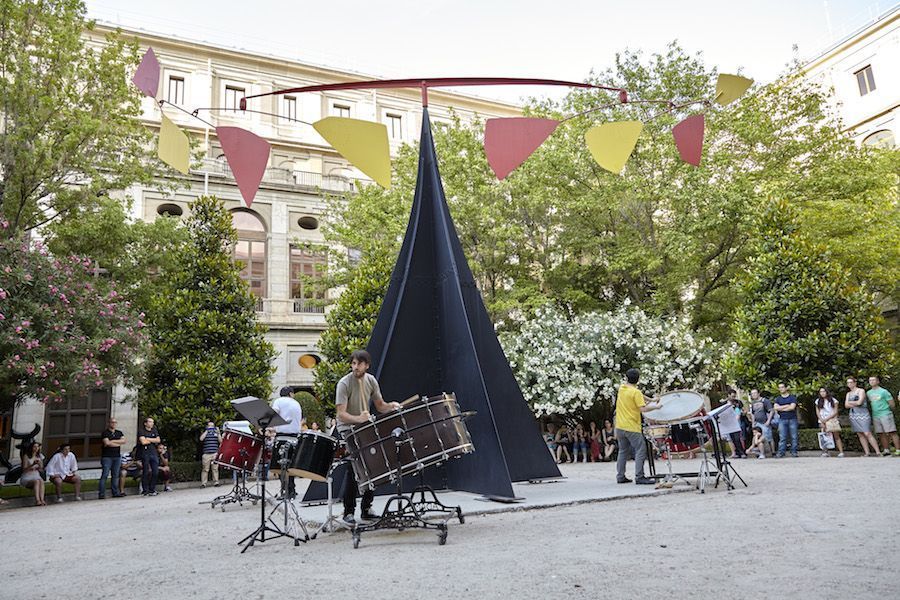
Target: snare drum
239,451
313,456
434,430
284,447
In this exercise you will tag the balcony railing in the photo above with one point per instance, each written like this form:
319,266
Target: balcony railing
302,305
303,179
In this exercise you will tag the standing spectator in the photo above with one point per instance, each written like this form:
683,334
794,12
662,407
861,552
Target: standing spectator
630,403
761,409
883,423
291,411
562,444
165,469
211,438
63,467
827,411
737,437
110,458
579,442
786,407
860,419
594,442
148,440
32,464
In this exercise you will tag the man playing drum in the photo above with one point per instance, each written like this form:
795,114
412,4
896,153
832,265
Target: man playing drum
354,393
630,403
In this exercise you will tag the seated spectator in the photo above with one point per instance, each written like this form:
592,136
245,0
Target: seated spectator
562,444
550,439
131,467
315,426
32,477
63,467
610,444
579,444
165,468
594,442
827,411
758,443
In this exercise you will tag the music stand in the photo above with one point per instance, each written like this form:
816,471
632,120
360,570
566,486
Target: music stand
260,413
726,471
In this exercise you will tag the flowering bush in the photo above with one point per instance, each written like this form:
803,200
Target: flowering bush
62,331
565,364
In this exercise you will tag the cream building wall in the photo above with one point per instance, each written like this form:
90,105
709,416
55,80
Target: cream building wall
301,168
875,46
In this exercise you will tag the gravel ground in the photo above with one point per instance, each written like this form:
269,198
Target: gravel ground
808,527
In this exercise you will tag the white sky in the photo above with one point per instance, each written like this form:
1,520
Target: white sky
564,39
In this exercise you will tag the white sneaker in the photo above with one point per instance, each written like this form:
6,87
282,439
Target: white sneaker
824,455
79,498
840,455
59,499
761,456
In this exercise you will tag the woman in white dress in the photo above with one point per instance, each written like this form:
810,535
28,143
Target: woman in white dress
32,463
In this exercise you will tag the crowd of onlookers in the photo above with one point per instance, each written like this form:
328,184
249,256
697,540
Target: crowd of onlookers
768,426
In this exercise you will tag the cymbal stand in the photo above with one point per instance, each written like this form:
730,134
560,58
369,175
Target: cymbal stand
239,493
332,523
399,511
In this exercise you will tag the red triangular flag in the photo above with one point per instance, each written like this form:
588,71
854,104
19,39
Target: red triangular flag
146,78
508,142
247,155
689,139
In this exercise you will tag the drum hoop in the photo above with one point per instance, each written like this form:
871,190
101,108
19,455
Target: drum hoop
703,397
407,469
417,427
310,432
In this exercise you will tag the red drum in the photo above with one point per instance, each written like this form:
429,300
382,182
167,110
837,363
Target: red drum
434,430
684,437
671,423
239,451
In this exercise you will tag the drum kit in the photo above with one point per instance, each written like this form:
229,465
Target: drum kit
682,426
424,432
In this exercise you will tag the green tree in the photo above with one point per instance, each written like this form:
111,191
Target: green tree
207,346
350,324
136,255
70,131
804,320
63,331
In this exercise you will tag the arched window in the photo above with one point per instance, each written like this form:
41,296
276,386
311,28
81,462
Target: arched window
880,139
251,250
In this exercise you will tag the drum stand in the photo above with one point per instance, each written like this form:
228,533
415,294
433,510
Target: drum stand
332,523
239,493
405,515
424,505
268,523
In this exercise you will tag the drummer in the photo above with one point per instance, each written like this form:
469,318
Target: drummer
289,410
355,391
630,403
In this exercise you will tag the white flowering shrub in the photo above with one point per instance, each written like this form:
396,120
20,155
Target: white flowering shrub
564,364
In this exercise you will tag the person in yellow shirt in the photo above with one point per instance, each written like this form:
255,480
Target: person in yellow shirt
630,403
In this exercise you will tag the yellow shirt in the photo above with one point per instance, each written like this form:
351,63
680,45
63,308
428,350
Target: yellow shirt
628,408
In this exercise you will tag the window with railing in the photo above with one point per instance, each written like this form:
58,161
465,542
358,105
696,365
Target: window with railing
233,95
250,252
307,269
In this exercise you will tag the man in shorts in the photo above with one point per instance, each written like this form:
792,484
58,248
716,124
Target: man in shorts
881,402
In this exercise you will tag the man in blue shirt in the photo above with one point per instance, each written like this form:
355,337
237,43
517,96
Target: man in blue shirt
786,407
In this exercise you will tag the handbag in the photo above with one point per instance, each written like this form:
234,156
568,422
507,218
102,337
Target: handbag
826,441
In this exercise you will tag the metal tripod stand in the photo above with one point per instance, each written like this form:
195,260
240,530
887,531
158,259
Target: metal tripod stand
239,493
332,523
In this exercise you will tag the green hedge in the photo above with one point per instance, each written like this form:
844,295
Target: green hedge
809,440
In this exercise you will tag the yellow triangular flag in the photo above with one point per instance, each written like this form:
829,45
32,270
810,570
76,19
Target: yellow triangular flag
731,87
612,143
174,147
363,143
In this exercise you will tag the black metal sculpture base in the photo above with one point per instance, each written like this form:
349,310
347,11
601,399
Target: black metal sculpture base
239,493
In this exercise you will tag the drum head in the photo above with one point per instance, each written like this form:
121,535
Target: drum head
676,406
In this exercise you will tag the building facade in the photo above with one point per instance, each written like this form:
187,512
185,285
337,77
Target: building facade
280,234
861,70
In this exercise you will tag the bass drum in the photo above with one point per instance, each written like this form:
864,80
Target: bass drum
434,427
239,451
313,456
283,448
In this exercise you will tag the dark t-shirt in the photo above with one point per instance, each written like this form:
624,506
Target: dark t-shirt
111,451
761,409
151,448
787,415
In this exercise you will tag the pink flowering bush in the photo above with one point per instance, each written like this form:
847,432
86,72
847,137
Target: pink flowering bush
62,331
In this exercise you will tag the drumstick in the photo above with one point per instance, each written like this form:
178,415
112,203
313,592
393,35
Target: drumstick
410,399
